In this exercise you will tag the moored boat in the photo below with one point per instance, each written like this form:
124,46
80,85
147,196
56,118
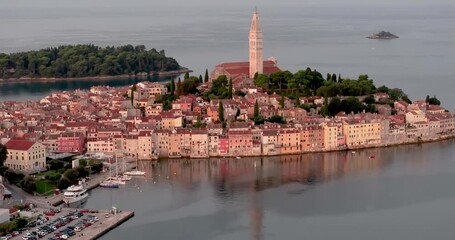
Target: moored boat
75,194
109,184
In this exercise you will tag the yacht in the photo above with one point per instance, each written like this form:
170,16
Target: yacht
75,194
109,184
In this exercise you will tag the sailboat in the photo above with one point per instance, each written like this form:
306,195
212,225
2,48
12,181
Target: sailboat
110,182
135,172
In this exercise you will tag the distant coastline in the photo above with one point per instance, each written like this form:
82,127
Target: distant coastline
383,35
97,78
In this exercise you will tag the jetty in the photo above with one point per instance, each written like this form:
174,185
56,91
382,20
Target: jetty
108,221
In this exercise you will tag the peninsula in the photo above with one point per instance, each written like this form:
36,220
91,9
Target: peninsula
87,62
383,35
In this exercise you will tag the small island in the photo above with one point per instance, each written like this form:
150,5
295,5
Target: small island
383,35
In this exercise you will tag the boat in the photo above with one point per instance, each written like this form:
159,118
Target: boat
124,177
109,184
135,172
238,157
372,156
75,194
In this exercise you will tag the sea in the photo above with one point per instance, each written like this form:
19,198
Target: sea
403,192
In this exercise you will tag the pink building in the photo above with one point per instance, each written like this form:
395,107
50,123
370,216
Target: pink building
223,145
240,143
71,143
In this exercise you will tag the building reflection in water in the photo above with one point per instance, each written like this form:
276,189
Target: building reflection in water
250,176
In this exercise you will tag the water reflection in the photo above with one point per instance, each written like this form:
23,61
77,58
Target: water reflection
252,198
34,90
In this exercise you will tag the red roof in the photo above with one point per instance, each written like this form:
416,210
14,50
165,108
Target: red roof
19,144
239,68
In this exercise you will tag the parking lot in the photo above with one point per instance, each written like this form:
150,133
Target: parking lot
66,224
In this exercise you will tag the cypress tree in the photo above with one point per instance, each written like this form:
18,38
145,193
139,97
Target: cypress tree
172,90
187,75
220,112
282,101
200,79
230,89
256,110
206,77
179,87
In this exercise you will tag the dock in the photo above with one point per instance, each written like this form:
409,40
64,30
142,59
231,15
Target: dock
104,225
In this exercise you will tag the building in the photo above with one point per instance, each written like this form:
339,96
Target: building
256,46
256,64
24,155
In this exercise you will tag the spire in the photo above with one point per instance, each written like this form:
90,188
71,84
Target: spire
255,26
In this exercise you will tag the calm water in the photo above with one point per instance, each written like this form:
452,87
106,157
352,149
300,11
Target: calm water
36,90
327,35
403,193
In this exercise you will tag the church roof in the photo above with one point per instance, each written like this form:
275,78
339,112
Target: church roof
243,68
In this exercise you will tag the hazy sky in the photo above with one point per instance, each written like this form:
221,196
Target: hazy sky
177,3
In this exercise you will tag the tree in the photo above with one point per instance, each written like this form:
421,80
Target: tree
3,154
220,111
172,87
282,102
206,76
3,169
55,164
71,174
369,99
406,98
256,110
83,162
276,119
189,85
334,106
383,89
230,89
427,99
28,184
179,87
334,78
187,75
434,101
82,172
63,183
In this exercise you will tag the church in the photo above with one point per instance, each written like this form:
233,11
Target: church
241,71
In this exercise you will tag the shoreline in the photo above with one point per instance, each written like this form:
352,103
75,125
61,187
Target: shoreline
96,78
345,149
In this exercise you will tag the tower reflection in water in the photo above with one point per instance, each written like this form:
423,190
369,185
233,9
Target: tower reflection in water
248,177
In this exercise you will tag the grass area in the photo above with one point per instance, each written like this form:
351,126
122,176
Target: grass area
43,187
49,171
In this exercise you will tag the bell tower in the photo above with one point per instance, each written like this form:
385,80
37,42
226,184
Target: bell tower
256,49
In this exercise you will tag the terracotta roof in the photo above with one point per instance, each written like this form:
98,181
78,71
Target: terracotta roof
19,144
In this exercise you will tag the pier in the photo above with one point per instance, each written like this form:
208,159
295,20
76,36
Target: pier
104,225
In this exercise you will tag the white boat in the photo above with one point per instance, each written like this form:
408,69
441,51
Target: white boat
134,173
109,184
124,178
238,157
75,194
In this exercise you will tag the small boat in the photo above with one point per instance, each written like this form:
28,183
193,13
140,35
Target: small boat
124,178
353,152
238,157
372,156
134,173
109,184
